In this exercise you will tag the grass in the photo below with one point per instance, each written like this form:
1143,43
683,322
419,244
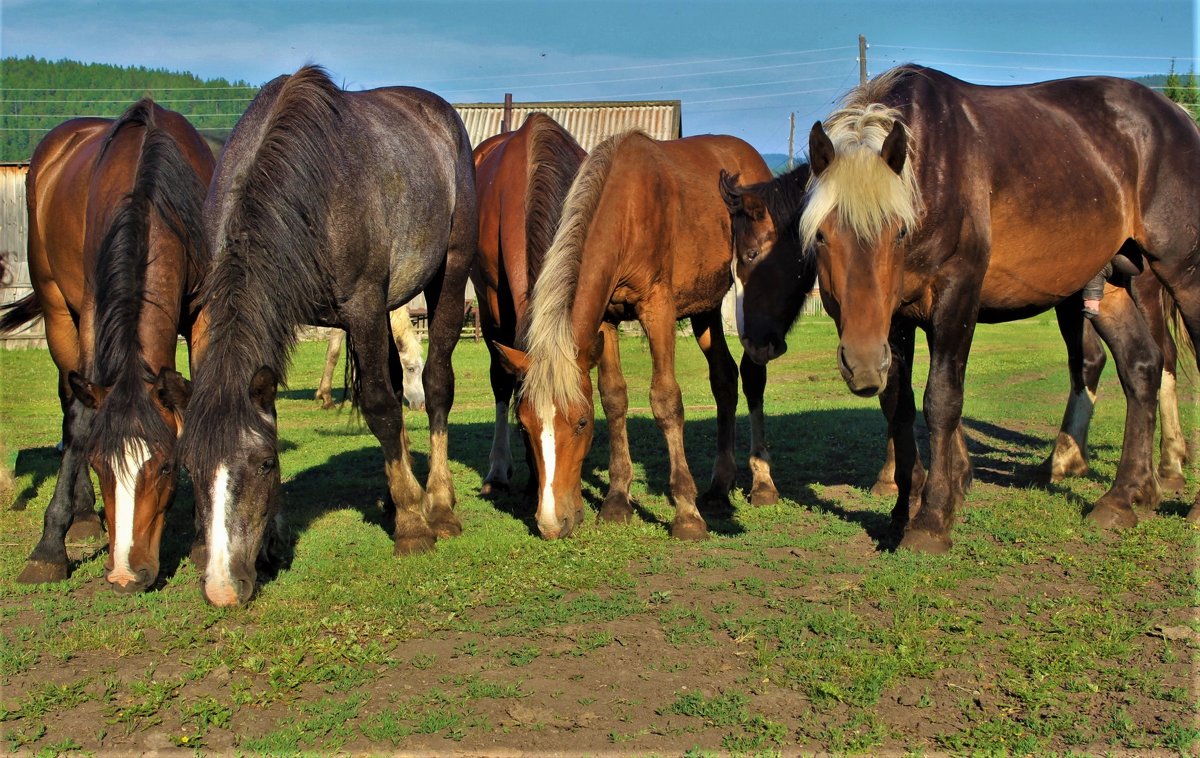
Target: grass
789,629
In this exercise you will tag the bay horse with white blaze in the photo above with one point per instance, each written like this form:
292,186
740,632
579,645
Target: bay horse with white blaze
774,275
116,257
329,207
643,236
937,203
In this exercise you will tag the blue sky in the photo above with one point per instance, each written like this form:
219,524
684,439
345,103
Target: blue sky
740,67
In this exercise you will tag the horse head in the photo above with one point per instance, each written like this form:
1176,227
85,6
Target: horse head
136,472
771,274
558,426
861,205
234,468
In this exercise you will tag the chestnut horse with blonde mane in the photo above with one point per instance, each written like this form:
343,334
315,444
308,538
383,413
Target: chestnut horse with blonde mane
938,204
644,235
116,257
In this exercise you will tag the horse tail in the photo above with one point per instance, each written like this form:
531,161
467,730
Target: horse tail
1184,346
19,313
166,184
554,160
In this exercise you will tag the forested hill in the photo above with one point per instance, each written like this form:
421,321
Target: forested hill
37,95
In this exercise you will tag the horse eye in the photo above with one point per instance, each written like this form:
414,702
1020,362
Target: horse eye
267,466
166,469
820,238
579,427
752,254
903,233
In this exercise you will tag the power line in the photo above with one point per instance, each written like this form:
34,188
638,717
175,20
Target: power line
1019,52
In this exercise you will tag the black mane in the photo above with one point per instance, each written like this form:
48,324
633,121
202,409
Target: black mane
166,184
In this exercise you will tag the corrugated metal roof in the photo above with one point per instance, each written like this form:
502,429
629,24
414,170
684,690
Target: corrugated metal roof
589,123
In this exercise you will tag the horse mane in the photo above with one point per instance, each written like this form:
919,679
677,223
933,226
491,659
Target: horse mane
164,183
553,375
554,159
864,192
269,271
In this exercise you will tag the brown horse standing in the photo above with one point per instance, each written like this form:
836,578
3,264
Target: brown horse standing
116,258
937,203
521,181
647,220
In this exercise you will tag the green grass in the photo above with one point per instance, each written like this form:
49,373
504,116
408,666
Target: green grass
788,630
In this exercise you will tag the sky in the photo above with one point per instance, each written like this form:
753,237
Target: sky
740,67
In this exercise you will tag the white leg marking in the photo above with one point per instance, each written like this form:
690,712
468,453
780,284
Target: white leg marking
501,457
546,518
218,571
1080,407
126,474
739,301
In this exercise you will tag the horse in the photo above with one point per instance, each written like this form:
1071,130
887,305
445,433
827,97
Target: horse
521,181
407,343
767,251
328,207
938,204
648,222
116,258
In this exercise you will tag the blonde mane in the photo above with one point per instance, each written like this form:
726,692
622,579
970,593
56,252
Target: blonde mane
553,375
858,185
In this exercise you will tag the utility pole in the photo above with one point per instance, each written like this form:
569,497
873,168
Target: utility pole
791,139
862,59
506,119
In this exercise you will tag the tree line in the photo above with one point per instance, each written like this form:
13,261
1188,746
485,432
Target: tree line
39,94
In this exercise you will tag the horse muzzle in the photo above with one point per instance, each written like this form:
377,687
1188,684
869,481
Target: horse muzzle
865,372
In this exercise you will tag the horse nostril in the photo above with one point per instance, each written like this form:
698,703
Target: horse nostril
245,588
842,364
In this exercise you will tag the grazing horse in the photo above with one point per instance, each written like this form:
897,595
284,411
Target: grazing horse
329,207
116,257
647,220
937,203
409,346
775,273
521,180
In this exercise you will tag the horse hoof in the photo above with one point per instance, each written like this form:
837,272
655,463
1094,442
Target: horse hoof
716,504
690,529
423,543
920,541
41,572
615,510
884,489
1171,482
1113,517
445,526
85,529
1194,514
493,488
764,495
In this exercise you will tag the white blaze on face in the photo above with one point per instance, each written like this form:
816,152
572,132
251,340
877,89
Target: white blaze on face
218,572
547,521
126,470
739,300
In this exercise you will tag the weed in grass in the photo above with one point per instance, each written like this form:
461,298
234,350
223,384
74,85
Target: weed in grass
19,738
726,709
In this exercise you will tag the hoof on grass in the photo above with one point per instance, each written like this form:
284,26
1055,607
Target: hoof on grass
1113,517
764,494
689,529
493,488
423,543
41,572
85,529
615,510
921,541
883,488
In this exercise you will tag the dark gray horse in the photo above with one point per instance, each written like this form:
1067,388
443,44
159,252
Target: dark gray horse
329,207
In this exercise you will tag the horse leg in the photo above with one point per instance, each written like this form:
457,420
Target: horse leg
500,462
614,397
657,316
370,349
903,460
707,328
754,386
953,327
446,295
1139,366
1172,444
325,387
1085,362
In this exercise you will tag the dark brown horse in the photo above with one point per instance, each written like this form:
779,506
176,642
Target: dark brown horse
521,180
329,207
116,258
767,252
644,235
938,204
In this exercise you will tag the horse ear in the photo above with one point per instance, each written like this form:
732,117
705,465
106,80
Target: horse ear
515,362
754,206
820,149
731,193
173,390
895,148
262,388
596,351
91,395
